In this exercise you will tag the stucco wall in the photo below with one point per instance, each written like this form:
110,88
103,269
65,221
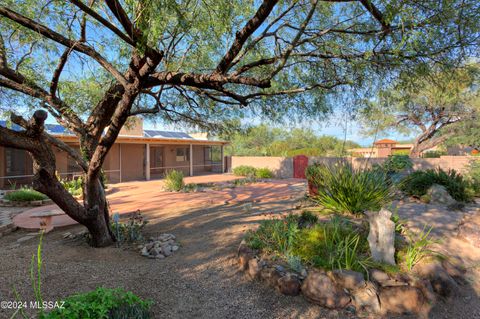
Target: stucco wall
2,166
283,166
133,161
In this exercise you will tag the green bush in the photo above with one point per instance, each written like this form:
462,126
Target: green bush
263,173
131,230
73,186
103,303
433,154
344,189
333,245
473,177
245,170
25,195
418,183
397,163
174,181
274,235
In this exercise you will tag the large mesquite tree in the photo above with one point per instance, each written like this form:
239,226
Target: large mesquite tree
93,64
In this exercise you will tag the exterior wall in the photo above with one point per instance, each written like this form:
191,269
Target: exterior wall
2,167
132,162
170,162
111,166
282,167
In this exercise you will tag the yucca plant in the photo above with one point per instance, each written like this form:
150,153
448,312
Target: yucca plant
344,189
174,181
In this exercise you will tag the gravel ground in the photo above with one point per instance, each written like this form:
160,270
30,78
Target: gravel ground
201,280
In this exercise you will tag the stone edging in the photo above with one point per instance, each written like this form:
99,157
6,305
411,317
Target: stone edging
345,289
32,203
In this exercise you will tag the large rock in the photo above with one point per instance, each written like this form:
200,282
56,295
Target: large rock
401,300
320,289
381,237
289,285
348,279
270,275
469,230
254,268
439,195
442,283
245,254
366,298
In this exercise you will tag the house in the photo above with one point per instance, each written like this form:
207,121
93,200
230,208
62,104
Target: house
138,154
383,148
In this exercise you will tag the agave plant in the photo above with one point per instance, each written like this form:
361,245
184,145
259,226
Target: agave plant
344,189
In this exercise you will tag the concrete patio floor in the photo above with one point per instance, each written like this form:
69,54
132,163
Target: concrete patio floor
148,197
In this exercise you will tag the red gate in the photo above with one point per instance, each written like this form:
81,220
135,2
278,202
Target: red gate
300,163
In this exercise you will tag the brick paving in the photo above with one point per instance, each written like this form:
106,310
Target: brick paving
149,197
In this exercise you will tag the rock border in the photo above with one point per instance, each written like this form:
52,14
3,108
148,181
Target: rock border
382,294
32,203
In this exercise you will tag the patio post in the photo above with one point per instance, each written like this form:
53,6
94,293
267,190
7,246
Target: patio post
223,158
191,160
147,162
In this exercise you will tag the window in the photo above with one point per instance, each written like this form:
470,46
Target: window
183,154
18,162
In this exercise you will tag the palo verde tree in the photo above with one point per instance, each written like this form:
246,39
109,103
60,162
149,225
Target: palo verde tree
438,104
93,64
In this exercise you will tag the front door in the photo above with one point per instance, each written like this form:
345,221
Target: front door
156,162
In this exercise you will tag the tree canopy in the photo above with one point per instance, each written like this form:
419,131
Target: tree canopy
435,106
93,64
263,140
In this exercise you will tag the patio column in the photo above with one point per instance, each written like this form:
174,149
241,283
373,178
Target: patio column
191,160
223,159
147,162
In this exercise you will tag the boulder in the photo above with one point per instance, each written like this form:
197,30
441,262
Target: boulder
270,275
320,289
381,237
469,230
254,268
348,279
244,254
366,298
289,285
401,300
378,276
442,283
439,195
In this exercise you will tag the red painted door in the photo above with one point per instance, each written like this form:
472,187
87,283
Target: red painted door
300,163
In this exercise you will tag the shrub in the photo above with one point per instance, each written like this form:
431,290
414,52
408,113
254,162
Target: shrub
417,247
433,154
307,219
333,245
344,189
73,186
418,183
274,235
244,170
473,177
263,173
130,231
103,303
174,181
397,163
25,195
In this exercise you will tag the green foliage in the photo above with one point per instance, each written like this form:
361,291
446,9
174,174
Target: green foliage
418,183
307,219
174,181
245,170
433,154
130,231
274,235
333,245
344,189
473,177
417,247
397,163
24,195
103,303
264,140
73,186
400,227
263,173
191,187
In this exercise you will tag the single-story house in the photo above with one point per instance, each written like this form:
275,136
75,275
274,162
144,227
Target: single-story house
383,148
138,154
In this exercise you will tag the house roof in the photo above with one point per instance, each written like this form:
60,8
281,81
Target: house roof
385,141
148,135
